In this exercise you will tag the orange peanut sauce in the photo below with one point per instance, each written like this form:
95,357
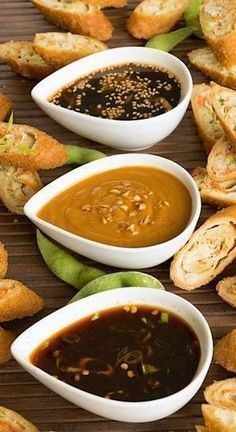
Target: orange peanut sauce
129,207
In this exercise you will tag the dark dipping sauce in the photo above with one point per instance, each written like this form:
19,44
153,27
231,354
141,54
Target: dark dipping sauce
131,353
127,92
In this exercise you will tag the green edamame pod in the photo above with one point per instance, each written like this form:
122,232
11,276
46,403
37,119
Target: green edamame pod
64,265
82,155
191,17
117,280
167,41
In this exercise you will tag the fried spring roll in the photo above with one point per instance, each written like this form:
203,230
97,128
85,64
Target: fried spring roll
3,261
226,289
17,301
221,164
208,124
222,393
220,194
5,106
27,147
6,339
17,186
209,250
224,351
10,421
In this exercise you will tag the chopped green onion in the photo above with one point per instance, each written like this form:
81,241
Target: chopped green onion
164,317
149,369
8,127
230,159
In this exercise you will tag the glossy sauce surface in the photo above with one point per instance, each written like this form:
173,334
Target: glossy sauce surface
131,353
129,207
127,92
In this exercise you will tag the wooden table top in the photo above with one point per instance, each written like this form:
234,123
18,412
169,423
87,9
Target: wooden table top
18,390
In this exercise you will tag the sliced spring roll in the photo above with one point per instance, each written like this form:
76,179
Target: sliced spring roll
17,186
217,18
60,49
23,60
17,301
10,421
221,164
153,17
209,250
220,194
218,419
222,393
29,148
76,16
224,351
226,289
208,124
224,102
205,60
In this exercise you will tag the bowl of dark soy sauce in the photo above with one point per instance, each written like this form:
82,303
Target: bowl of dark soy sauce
129,98
129,354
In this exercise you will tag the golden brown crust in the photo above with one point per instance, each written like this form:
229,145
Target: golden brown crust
60,49
108,3
222,393
5,106
226,289
224,351
218,419
224,102
44,153
17,301
142,24
221,163
209,250
204,59
92,22
11,421
225,49
209,126
6,339
218,25
17,186
20,56
218,194
3,261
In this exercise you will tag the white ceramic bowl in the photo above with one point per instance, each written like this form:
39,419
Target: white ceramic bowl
133,258
124,135
25,344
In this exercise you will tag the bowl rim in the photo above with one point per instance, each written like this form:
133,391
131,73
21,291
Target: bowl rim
35,92
195,213
94,299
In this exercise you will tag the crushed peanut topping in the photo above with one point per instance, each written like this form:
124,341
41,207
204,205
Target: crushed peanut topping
129,206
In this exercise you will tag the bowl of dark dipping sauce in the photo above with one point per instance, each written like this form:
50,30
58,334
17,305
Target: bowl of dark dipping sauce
130,354
128,98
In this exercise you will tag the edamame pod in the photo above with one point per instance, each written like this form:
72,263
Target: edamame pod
167,41
82,155
117,280
191,16
64,265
